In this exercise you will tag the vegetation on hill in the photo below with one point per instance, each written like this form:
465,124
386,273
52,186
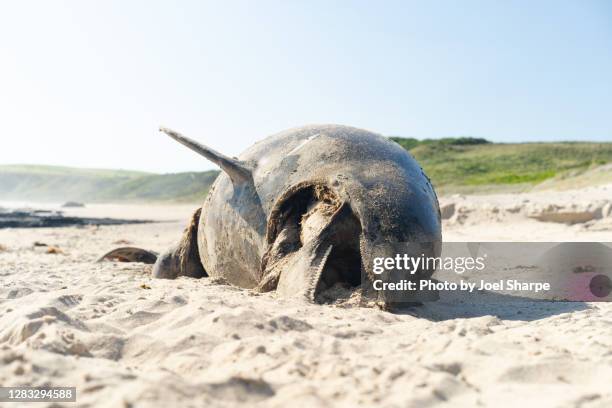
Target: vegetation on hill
60,184
463,164
410,143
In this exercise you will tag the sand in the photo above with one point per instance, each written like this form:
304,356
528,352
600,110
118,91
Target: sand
126,340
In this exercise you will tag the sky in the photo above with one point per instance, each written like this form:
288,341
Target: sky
87,83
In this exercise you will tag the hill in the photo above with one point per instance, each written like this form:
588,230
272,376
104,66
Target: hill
60,184
455,165
477,165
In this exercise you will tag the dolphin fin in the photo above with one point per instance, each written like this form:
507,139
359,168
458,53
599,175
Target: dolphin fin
237,170
130,254
302,276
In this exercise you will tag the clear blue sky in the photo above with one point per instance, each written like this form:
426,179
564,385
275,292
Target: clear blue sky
86,83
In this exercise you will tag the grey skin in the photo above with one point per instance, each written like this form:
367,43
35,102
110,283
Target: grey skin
307,209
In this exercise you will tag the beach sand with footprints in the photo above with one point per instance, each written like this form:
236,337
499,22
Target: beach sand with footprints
127,340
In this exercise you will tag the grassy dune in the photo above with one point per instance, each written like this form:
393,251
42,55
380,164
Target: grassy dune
475,165
468,165
60,184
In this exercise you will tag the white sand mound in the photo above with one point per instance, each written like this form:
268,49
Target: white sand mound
126,340
583,215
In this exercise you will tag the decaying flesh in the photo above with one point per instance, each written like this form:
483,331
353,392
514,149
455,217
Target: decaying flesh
310,235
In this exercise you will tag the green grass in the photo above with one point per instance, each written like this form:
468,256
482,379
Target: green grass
455,166
60,184
409,143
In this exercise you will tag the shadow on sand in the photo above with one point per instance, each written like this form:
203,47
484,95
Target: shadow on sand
454,306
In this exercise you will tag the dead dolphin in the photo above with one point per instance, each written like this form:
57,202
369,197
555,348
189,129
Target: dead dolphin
307,209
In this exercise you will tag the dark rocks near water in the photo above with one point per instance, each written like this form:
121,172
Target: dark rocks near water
29,218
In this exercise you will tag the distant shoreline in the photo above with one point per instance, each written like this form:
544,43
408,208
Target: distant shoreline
53,219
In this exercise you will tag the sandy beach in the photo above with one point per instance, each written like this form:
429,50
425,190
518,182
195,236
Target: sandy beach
127,340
